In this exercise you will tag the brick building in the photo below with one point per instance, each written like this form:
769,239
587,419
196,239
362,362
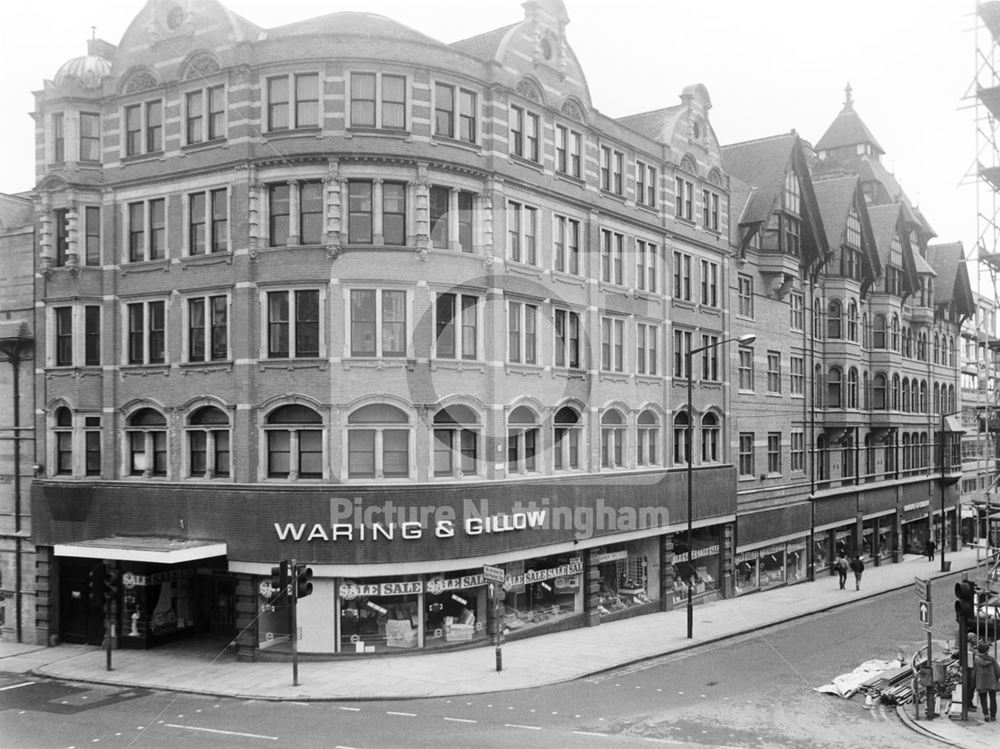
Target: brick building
340,293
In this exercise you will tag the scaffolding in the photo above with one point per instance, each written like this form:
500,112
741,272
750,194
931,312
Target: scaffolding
987,263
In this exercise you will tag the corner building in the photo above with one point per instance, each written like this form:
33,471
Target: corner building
340,293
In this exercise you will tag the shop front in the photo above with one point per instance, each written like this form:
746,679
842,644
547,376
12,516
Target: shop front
700,568
627,577
771,548
915,525
155,590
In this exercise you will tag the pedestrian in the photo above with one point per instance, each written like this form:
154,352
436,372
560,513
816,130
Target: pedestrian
858,567
841,566
987,675
931,547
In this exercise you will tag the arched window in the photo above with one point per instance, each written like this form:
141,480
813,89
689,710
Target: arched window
378,442
891,454
866,391
937,349
567,432
833,313
522,441
294,436
822,461
869,457
612,439
895,332
937,398
951,351
852,321
647,435
146,436
907,456
922,346
879,402
852,388
63,432
923,396
878,332
457,439
710,438
847,457
208,443
906,394
681,450
833,388
895,392
951,398
817,319
907,342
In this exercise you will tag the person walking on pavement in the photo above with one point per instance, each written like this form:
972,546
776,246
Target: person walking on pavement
987,675
931,548
857,566
841,566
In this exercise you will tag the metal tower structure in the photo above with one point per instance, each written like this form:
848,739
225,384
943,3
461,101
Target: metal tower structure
987,165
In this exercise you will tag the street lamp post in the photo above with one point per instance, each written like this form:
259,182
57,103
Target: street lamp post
744,340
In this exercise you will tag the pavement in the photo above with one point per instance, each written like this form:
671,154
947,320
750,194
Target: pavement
532,662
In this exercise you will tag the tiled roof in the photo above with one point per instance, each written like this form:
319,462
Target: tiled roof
885,221
651,124
351,23
847,130
484,46
953,284
761,164
835,196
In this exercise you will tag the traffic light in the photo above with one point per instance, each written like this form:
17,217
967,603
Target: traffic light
965,602
303,578
110,585
279,581
92,583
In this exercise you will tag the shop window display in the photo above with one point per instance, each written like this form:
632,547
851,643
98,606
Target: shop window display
455,609
623,581
884,543
747,569
821,552
702,573
795,562
376,616
772,566
542,591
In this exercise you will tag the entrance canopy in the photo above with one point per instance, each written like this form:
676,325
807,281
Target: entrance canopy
156,549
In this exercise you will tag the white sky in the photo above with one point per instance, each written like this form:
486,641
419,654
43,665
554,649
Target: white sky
769,66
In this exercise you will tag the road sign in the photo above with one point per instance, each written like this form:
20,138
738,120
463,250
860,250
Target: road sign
920,586
496,574
924,612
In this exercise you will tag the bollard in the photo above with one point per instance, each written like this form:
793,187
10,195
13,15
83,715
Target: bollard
499,659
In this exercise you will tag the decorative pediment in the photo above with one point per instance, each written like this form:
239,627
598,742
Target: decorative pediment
530,90
140,79
199,65
572,109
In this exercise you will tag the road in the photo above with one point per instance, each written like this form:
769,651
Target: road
753,692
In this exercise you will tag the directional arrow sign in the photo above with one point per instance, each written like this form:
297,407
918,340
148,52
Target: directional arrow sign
496,574
925,614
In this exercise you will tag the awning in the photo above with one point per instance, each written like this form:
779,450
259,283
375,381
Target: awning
156,549
953,423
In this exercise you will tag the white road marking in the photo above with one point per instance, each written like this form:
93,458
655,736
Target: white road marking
460,720
518,725
341,746
350,709
226,733
591,733
405,715
17,686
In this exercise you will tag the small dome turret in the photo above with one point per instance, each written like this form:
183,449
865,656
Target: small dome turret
89,70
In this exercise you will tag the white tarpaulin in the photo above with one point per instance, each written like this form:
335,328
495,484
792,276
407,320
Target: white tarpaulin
847,685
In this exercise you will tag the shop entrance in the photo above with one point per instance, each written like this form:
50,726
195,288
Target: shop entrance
80,613
215,603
